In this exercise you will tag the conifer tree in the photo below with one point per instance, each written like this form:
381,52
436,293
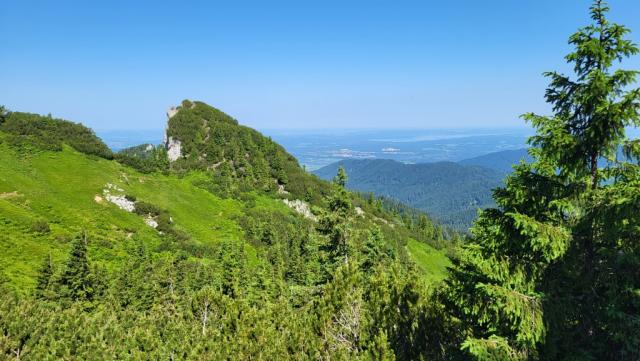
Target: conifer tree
591,110
375,250
530,284
335,221
341,178
45,275
75,282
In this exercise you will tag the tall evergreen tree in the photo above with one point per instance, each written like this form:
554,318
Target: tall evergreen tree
374,251
334,222
591,110
45,275
75,282
532,284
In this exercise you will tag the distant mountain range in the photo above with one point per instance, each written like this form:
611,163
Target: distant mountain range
450,192
502,161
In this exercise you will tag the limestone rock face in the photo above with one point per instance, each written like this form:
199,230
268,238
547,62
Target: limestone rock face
122,202
151,222
173,146
171,112
174,149
300,207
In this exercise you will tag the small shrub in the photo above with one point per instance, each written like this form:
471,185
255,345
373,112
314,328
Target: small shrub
144,208
40,227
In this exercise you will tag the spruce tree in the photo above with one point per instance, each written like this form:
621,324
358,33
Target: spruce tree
334,222
45,275
532,283
75,282
374,251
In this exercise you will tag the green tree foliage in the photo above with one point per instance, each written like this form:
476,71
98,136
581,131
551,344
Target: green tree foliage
449,192
548,274
166,306
592,110
76,281
145,157
272,284
234,156
3,113
45,279
45,133
375,250
335,221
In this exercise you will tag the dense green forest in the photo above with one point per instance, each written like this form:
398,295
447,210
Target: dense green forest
452,193
217,245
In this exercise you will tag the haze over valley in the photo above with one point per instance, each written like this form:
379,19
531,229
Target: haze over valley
317,148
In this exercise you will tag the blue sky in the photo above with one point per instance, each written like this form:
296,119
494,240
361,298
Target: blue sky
296,64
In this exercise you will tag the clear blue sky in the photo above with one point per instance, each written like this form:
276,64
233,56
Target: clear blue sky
297,64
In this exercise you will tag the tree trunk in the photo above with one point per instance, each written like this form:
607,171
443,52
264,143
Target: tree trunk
205,316
594,170
590,261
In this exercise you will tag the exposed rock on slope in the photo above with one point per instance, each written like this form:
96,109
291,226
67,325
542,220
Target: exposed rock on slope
173,146
174,149
202,137
118,199
300,207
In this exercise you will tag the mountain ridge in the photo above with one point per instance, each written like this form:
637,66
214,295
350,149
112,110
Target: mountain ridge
448,191
502,161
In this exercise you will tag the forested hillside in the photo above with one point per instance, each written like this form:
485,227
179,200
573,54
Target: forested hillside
198,257
450,192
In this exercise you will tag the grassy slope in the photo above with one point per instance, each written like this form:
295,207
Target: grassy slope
59,188
430,261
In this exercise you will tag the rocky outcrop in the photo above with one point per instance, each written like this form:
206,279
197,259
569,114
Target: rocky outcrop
114,194
281,189
171,112
300,207
122,202
173,146
174,149
151,222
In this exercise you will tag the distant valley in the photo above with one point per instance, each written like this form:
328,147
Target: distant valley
448,191
315,149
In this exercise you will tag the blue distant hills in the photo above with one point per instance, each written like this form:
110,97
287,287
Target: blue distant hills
451,192
502,161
